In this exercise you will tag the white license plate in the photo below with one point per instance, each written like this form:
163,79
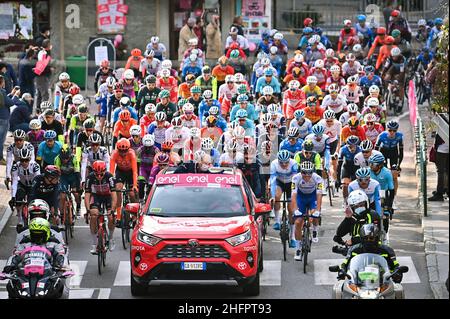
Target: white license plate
193,266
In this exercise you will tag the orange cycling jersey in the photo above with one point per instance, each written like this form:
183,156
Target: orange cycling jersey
124,163
378,42
385,52
220,73
123,128
184,91
346,132
314,116
134,62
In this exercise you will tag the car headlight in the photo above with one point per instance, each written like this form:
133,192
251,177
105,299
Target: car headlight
148,239
239,239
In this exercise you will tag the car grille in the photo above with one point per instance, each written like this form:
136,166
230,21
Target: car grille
185,251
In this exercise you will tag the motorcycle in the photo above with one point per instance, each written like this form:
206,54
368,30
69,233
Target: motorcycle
368,277
35,278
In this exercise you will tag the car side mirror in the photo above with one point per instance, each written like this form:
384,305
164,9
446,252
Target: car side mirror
261,208
132,208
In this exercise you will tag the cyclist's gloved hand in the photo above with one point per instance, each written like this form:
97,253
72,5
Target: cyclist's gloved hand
316,213
341,274
135,188
12,201
297,213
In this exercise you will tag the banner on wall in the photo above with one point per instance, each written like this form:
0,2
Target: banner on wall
111,16
254,18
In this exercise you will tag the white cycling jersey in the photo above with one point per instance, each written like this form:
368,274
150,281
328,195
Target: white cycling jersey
319,146
12,155
332,131
284,175
299,184
360,161
178,136
89,157
23,175
337,105
303,129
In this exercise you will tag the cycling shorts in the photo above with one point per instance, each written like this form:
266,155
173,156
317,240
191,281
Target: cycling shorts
101,200
285,188
103,110
73,180
348,171
391,155
124,177
305,202
22,192
333,146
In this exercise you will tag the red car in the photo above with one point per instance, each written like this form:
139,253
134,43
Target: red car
198,228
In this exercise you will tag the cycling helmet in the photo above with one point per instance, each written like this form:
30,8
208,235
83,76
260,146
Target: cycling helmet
308,145
357,48
99,167
369,69
196,89
352,140
136,52
74,90
311,80
267,90
39,229
207,94
165,73
265,118
148,140
294,85
164,94
278,36
125,115
46,105
361,18
95,138
298,114
154,40
366,145
355,198
125,101
395,52
438,21
352,79
135,130
284,156
194,132
150,79
307,21
64,77
314,39
188,107
307,167
374,89
241,113
128,74
373,101
239,77
268,72
335,68
347,23
162,158
333,88
82,108
19,134
229,78
242,89
35,124
370,117
292,132
396,33
166,64
89,124
392,125
298,58
213,110
160,116
38,208
363,172
49,112
177,122
273,49
242,98
150,108
353,121
167,146
234,54
421,22
311,100
207,144
150,53
318,129
319,64
329,53
350,57
50,134
352,108
123,144
239,132
381,31
307,30
329,114
377,159
395,13
272,108
24,154
52,171
65,152
190,78
182,102
206,69
389,40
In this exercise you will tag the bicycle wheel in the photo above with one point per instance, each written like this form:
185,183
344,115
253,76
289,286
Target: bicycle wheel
104,250
66,226
100,246
330,190
284,234
305,247
71,218
125,227
264,230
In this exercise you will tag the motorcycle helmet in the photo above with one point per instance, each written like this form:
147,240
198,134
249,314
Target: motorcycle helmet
38,208
358,202
39,230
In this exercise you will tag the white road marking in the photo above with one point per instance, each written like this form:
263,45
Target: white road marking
5,219
104,293
271,275
411,277
123,274
2,265
78,267
81,293
3,295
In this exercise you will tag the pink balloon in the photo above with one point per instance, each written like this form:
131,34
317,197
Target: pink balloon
252,46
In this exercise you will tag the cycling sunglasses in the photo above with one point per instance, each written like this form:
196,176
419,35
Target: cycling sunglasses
370,123
365,180
366,151
25,160
306,173
392,130
307,152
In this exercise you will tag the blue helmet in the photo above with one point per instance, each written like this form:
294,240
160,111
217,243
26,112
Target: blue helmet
376,159
392,125
50,134
299,113
361,18
439,21
352,140
318,129
363,172
318,31
369,69
284,156
268,72
307,30
241,113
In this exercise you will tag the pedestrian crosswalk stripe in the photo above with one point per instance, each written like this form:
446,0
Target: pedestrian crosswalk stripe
3,295
123,274
2,265
104,293
271,276
81,293
322,276
78,267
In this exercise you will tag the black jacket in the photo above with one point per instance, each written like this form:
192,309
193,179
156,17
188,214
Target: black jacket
350,226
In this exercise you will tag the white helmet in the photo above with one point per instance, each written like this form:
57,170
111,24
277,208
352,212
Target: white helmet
352,108
395,51
128,74
193,57
193,41
272,108
329,53
319,64
350,57
110,81
335,68
165,73
207,144
347,22
64,77
352,79
329,114
150,108
154,40
421,22
298,58
357,48
294,84
35,124
311,79
238,77
370,117
273,49
265,61
229,78
148,140
207,94
333,88
356,197
78,99
135,130
267,90
239,132
195,132
373,101
188,107
278,36
374,89
166,64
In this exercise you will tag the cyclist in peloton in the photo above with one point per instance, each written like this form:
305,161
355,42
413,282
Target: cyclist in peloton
307,199
346,163
48,149
369,186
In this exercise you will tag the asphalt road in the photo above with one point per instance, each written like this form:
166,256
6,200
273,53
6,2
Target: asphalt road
280,279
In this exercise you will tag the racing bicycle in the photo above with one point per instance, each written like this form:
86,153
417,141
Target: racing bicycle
284,226
128,221
102,238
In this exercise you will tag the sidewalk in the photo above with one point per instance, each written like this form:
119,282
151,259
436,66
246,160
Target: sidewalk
5,195
435,225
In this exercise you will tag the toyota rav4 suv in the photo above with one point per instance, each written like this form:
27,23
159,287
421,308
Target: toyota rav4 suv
198,229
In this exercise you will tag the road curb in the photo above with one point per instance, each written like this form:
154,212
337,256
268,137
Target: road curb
5,218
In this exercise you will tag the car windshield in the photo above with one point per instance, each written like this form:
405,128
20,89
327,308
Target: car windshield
368,269
197,201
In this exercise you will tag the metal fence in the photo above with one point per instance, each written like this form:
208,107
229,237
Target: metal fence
421,161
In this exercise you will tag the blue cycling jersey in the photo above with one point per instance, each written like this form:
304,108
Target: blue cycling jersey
204,107
385,142
252,114
367,83
49,154
372,191
297,147
129,108
384,178
347,156
249,126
